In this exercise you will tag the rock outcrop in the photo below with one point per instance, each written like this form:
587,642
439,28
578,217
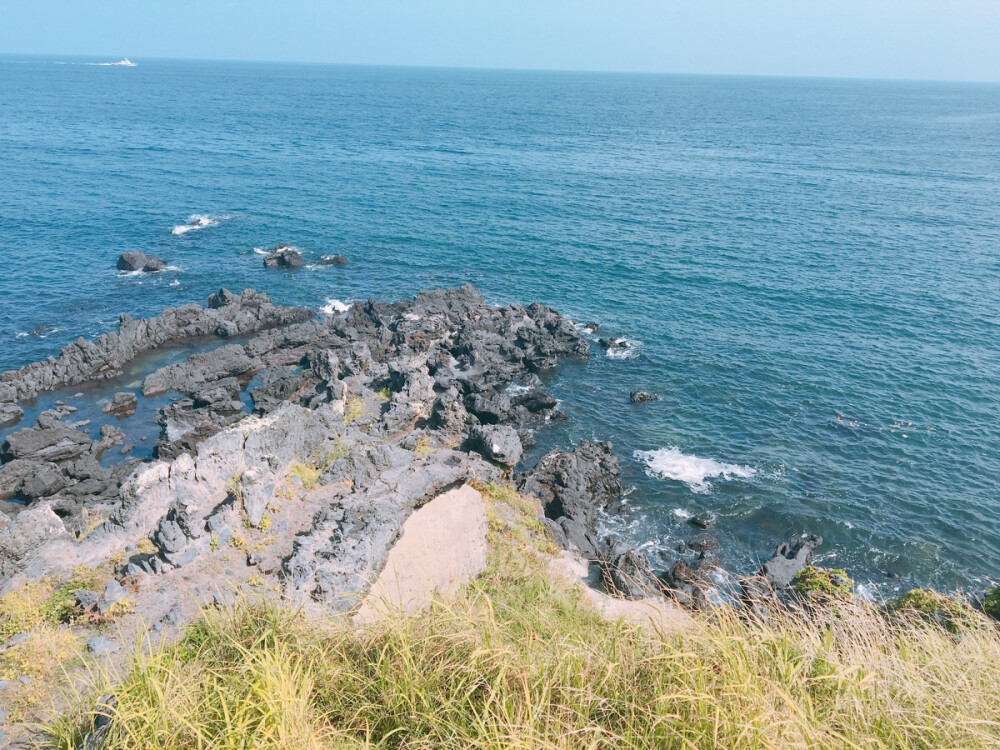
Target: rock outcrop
574,488
376,399
135,261
284,256
227,315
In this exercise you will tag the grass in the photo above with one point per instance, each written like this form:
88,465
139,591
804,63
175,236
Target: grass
42,659
307,474
520,661
354,409
47,603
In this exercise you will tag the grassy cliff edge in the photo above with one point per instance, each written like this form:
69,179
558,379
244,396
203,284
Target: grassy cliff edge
522,659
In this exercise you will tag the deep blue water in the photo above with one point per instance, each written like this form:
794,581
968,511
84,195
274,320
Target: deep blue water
810,269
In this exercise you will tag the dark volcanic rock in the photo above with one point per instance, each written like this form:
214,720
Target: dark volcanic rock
703,543
56,443
642,397
284,256
789,559
574,487
499,443
703,520
535,401
626,570
44,480
136,261
687,582
227,315
277,386
199,371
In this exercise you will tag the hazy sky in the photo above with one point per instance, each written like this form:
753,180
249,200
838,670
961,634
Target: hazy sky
936,39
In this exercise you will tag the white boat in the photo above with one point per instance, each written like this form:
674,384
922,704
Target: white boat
124,62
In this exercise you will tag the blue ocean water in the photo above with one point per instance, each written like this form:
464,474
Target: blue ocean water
808,270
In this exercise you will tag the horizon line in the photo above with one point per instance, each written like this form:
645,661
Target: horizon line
505,69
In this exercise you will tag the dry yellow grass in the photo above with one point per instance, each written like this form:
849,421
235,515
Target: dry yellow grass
519,661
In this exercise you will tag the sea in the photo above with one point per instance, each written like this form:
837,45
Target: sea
806,271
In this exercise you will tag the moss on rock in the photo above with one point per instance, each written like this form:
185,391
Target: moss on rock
823,583
950,612
991,603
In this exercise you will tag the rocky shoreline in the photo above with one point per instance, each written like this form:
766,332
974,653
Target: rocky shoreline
378,410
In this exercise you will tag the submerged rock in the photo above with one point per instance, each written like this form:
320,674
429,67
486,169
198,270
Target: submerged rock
642,397
122,405
332,260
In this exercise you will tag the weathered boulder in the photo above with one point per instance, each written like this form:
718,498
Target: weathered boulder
789,559
499,443
136,261
10,413
44,480
257,488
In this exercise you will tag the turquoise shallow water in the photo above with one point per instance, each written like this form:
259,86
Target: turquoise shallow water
809,270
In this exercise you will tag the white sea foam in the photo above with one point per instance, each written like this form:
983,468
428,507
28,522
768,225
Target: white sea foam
261,251
670,463
334,306
196,221
627,349
140,273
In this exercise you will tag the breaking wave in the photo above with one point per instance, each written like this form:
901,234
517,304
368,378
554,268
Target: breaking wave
670,463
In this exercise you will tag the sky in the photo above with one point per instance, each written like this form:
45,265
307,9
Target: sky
918,39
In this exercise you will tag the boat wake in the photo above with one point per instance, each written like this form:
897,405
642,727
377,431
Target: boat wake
123,63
